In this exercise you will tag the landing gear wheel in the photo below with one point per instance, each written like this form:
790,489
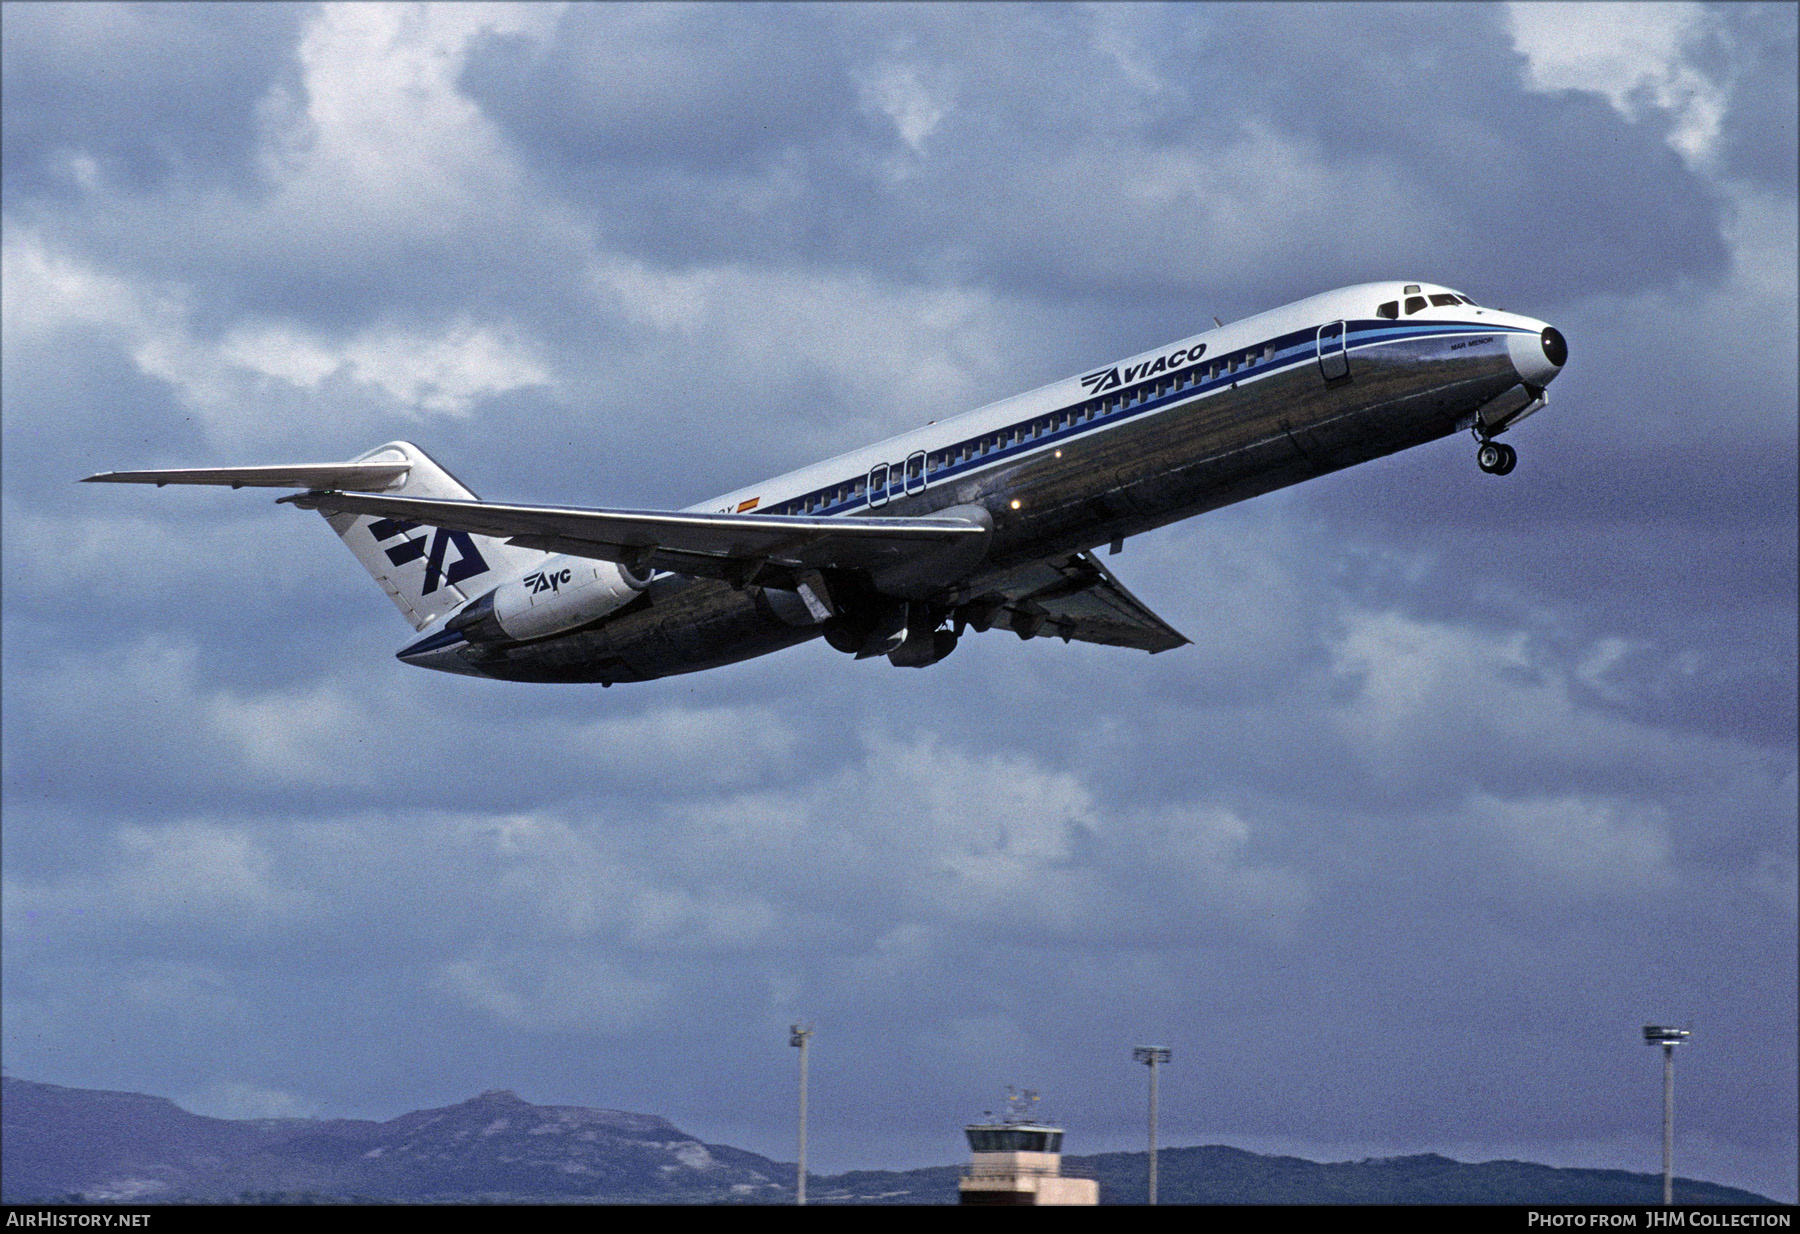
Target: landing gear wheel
1509,462
1491,458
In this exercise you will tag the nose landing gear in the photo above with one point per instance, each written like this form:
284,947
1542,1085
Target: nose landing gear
1496,458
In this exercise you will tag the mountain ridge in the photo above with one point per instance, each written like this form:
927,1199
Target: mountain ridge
62,1144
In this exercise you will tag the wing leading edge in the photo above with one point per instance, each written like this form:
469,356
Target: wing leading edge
737,547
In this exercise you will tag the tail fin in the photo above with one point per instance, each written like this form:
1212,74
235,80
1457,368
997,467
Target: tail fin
427,571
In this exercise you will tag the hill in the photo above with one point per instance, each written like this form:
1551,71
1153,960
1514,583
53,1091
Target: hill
105,1146
61,1143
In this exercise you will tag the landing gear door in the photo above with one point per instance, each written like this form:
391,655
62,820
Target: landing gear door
1334,361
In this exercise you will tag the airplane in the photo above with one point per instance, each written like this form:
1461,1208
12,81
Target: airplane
988,520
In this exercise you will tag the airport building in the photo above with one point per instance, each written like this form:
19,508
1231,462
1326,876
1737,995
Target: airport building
1017,1163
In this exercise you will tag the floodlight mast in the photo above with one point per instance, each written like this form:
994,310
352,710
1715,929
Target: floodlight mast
1668,1038
799,1035
1152,1056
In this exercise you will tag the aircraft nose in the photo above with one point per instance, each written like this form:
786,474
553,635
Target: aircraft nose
1539,358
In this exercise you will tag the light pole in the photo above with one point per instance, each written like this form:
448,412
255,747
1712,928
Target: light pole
1152,1056
1668,1038
799,1035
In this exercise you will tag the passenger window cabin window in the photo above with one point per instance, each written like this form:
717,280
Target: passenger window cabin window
1269,351
1414,304
1390,310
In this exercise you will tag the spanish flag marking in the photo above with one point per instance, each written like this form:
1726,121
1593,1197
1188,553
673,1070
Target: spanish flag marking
748,505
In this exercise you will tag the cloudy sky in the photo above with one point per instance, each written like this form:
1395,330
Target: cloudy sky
1462,781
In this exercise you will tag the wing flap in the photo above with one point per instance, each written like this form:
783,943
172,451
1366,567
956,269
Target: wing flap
1074,597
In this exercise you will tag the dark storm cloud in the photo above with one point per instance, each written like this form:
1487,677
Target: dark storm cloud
1759,136
741,86
190,76
1102,155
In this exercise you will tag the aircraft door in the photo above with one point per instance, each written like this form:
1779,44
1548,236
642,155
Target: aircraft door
878,484
913,479
1334,361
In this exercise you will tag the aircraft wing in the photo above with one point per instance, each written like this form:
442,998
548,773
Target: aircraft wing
1072,597
737,547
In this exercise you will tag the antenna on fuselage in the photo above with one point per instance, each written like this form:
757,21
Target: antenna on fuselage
1217,322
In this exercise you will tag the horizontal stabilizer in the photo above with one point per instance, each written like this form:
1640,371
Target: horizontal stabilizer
426,571
730,546
367,477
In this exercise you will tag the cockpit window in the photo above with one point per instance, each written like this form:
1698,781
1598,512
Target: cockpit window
1467,301
1414,304
1390,310
1441,300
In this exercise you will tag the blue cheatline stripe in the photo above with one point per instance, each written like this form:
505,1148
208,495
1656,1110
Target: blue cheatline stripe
1290,350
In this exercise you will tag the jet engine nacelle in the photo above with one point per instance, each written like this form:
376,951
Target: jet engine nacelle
563,593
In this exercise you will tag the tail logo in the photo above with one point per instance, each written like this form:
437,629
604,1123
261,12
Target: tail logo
468,561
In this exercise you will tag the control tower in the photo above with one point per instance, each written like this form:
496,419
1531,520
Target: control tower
1018,1160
